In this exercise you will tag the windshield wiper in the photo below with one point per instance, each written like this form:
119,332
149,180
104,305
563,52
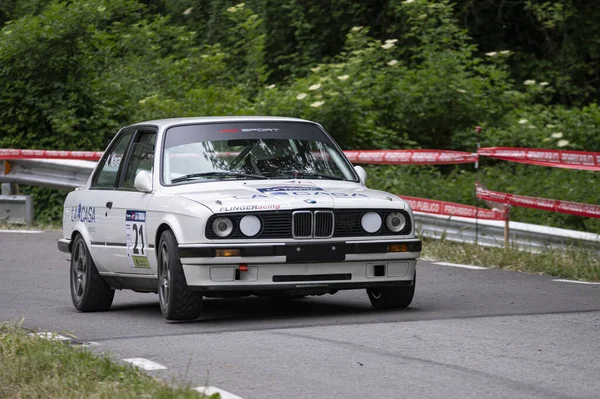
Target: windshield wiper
192,176
307,175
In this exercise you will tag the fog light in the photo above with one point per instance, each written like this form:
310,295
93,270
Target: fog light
227,252
397,248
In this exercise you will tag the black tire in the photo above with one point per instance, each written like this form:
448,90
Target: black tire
392,297
89,291
177,302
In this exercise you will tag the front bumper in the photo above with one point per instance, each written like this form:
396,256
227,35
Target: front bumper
64,245
321,266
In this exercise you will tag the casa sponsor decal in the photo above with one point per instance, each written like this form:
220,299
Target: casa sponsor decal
137,239
83,213
260,207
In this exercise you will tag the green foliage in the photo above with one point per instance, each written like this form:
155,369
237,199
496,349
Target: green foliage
375,74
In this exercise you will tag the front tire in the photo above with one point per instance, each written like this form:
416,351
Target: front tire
392,297
89,291
177,302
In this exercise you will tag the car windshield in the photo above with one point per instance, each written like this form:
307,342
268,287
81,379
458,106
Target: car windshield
258,150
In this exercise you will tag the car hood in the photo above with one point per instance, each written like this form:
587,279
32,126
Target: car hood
237,196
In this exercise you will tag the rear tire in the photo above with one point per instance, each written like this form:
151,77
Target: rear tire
392,297
89,291
177,302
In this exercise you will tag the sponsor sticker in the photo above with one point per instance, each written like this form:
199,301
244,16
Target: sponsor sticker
259,207
283,189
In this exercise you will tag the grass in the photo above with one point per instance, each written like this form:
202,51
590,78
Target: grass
55,226
571,263
33,367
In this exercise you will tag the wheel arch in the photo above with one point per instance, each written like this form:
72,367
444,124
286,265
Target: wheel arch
83,233
164,226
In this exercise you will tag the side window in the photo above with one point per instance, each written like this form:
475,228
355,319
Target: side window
107,176
141,158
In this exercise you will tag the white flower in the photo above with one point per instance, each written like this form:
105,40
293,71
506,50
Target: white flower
562,143
392,62
343,77
393,41
317,104
491,53
315,87
241,5
549,126
529,82
301,96
557,135
408,1
461,90
505,52
387,46
357,28
316,69
188,11
523,121
271,86
544,84
232,9
531,127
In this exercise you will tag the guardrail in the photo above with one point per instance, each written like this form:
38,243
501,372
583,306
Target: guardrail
70,174
529,237
61,174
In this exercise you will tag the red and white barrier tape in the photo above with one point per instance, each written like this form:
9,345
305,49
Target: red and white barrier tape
8,153
582,160
410,157
451,209
552,205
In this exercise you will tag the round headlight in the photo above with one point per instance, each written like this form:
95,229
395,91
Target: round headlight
371,222
222,226
250,225
395,222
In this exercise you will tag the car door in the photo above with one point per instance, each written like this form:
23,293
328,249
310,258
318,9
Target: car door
98,197
126,217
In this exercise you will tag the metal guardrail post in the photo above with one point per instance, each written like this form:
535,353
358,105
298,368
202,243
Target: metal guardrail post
6,189
17,209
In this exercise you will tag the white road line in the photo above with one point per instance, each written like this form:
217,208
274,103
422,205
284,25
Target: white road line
22,231
459,265
212,390
144,364
575,281
50,335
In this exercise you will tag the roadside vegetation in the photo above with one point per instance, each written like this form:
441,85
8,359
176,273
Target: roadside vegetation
377,74
34,367
571,263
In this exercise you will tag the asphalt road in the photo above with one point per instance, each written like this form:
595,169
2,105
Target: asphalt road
468,333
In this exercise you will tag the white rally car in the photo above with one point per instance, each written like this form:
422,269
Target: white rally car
229,207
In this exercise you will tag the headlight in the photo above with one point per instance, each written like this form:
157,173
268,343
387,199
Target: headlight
371,222
250,225
222,226
395,222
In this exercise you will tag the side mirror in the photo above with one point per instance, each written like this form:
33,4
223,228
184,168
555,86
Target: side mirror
143,181
362,174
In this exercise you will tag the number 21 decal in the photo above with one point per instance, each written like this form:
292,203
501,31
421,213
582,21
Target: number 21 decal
138,232
135,228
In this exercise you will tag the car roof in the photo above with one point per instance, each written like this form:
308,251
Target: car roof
164,123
